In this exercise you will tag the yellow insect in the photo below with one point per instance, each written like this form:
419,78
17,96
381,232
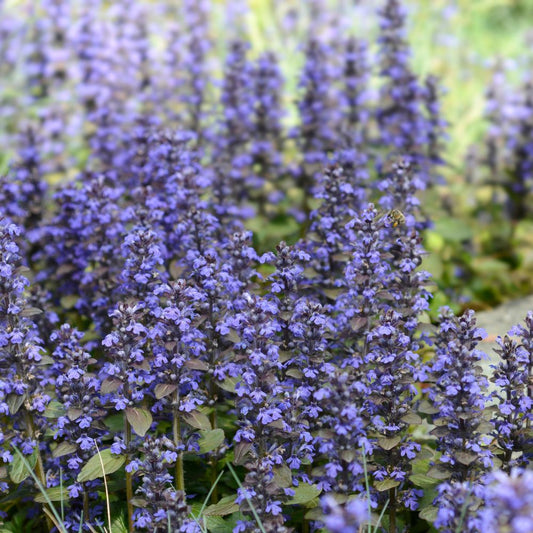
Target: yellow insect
396,217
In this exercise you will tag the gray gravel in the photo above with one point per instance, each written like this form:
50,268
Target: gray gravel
499,321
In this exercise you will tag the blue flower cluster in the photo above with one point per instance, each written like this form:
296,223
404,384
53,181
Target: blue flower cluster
161,345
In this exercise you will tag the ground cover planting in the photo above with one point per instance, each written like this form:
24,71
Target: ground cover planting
226,303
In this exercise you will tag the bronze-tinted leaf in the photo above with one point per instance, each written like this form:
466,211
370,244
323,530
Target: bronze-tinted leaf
164,389
30,311
74,413
465,458
294,373
240,452
197,420
196,364
110,385
358,323
426,408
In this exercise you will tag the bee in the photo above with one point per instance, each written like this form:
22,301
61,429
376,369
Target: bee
396,217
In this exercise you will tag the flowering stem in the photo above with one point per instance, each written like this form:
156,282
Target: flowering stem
129,483
214,475
176,431
39,469
86,512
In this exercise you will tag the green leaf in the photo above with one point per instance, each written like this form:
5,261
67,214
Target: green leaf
68,302
422,480
389,443
64,448
55,494
304,493
283,476
386,484
140,419
224,507
439,473
119,525
93,468
412,418
211,440
197,420
216,524
229,384
18,471
428,513
15,401
54,410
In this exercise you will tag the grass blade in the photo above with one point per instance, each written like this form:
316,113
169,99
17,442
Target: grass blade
105,487
52,511
254,512
380,518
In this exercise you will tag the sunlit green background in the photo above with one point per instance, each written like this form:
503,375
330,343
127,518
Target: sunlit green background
459,40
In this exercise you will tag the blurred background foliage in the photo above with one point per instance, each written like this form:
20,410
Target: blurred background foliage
478,257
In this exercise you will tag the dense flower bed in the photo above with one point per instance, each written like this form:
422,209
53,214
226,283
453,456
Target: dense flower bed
224,382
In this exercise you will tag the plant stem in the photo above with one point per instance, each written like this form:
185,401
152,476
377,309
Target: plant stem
176,431
86,504
129,481
214,473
